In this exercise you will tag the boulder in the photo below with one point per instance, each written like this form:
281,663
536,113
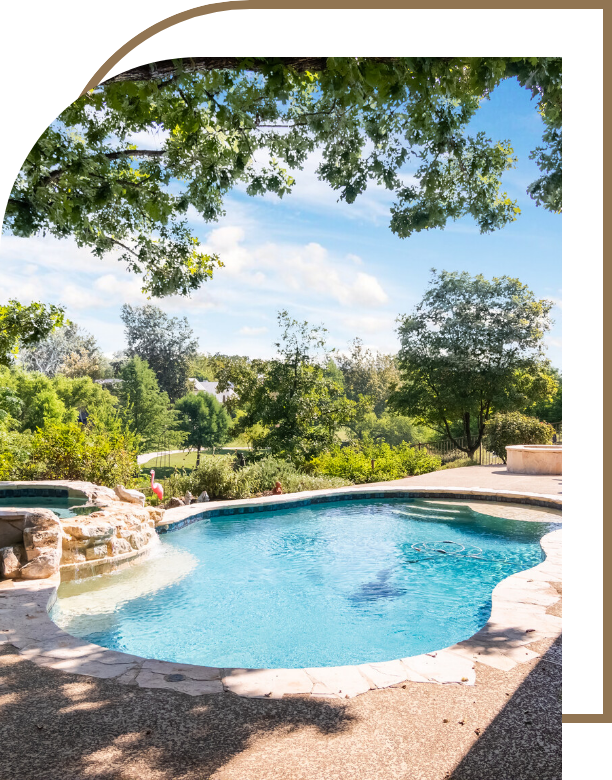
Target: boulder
203,497
96,551
35,540
188,498
70,543
73,555
131,496
88,531
118,546
11,559
40,520
138,539
156,514
174,502
44,565
42,535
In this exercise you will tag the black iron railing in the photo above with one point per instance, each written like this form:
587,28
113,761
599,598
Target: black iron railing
451,451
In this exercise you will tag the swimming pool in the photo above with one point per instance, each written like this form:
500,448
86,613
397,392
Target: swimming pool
63,507
318,585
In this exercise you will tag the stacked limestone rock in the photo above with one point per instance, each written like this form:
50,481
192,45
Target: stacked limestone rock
34,543
115,530
39,554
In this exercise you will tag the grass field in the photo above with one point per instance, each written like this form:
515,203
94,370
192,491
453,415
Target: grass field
166,465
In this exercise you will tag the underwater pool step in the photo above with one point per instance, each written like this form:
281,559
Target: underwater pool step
437,509
424,515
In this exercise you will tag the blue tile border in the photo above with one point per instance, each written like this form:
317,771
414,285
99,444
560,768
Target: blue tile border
42,492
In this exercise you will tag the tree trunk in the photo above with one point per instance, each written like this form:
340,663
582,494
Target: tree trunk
198,456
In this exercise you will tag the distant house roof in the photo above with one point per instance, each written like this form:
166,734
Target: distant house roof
108,381
211,387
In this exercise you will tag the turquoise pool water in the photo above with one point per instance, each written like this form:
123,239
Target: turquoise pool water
63,507
321,585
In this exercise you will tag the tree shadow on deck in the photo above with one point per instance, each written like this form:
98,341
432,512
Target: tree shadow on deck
523,742
55,725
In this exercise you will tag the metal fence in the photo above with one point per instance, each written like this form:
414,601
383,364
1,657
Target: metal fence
449,451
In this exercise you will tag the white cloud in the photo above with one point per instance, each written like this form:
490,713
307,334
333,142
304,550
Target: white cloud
369,325
354,259
80,298
260,277
145,139
307,269
368,292
125,290
247,331
56,254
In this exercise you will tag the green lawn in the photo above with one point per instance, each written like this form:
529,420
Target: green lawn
167,464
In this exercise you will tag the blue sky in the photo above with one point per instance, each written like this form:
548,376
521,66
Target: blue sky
323,261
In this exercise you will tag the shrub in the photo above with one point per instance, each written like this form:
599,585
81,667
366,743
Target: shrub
391,428
460,463
79,452
505,430
355,463
217,476
14,451
262,475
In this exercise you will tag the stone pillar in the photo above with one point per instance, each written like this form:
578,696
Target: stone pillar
42,540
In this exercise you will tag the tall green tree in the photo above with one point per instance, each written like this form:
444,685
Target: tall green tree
549,409
390,428
251,122
39,401
201,368
166,343
298,404
44,409
60,398
240,374
333,371
204,420
369,374
470,348
50,355
146,409
10,405
25,326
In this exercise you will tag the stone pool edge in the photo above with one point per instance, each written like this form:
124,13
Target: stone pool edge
518,618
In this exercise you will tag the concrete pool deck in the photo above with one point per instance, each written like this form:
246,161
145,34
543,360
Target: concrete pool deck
486,477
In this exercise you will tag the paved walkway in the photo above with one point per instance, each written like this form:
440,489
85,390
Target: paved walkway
491,477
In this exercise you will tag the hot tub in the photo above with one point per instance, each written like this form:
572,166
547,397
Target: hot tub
534,459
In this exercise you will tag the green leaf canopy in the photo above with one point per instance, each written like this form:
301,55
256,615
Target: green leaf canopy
250,122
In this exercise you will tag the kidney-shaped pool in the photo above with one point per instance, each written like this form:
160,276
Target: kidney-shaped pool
320,585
